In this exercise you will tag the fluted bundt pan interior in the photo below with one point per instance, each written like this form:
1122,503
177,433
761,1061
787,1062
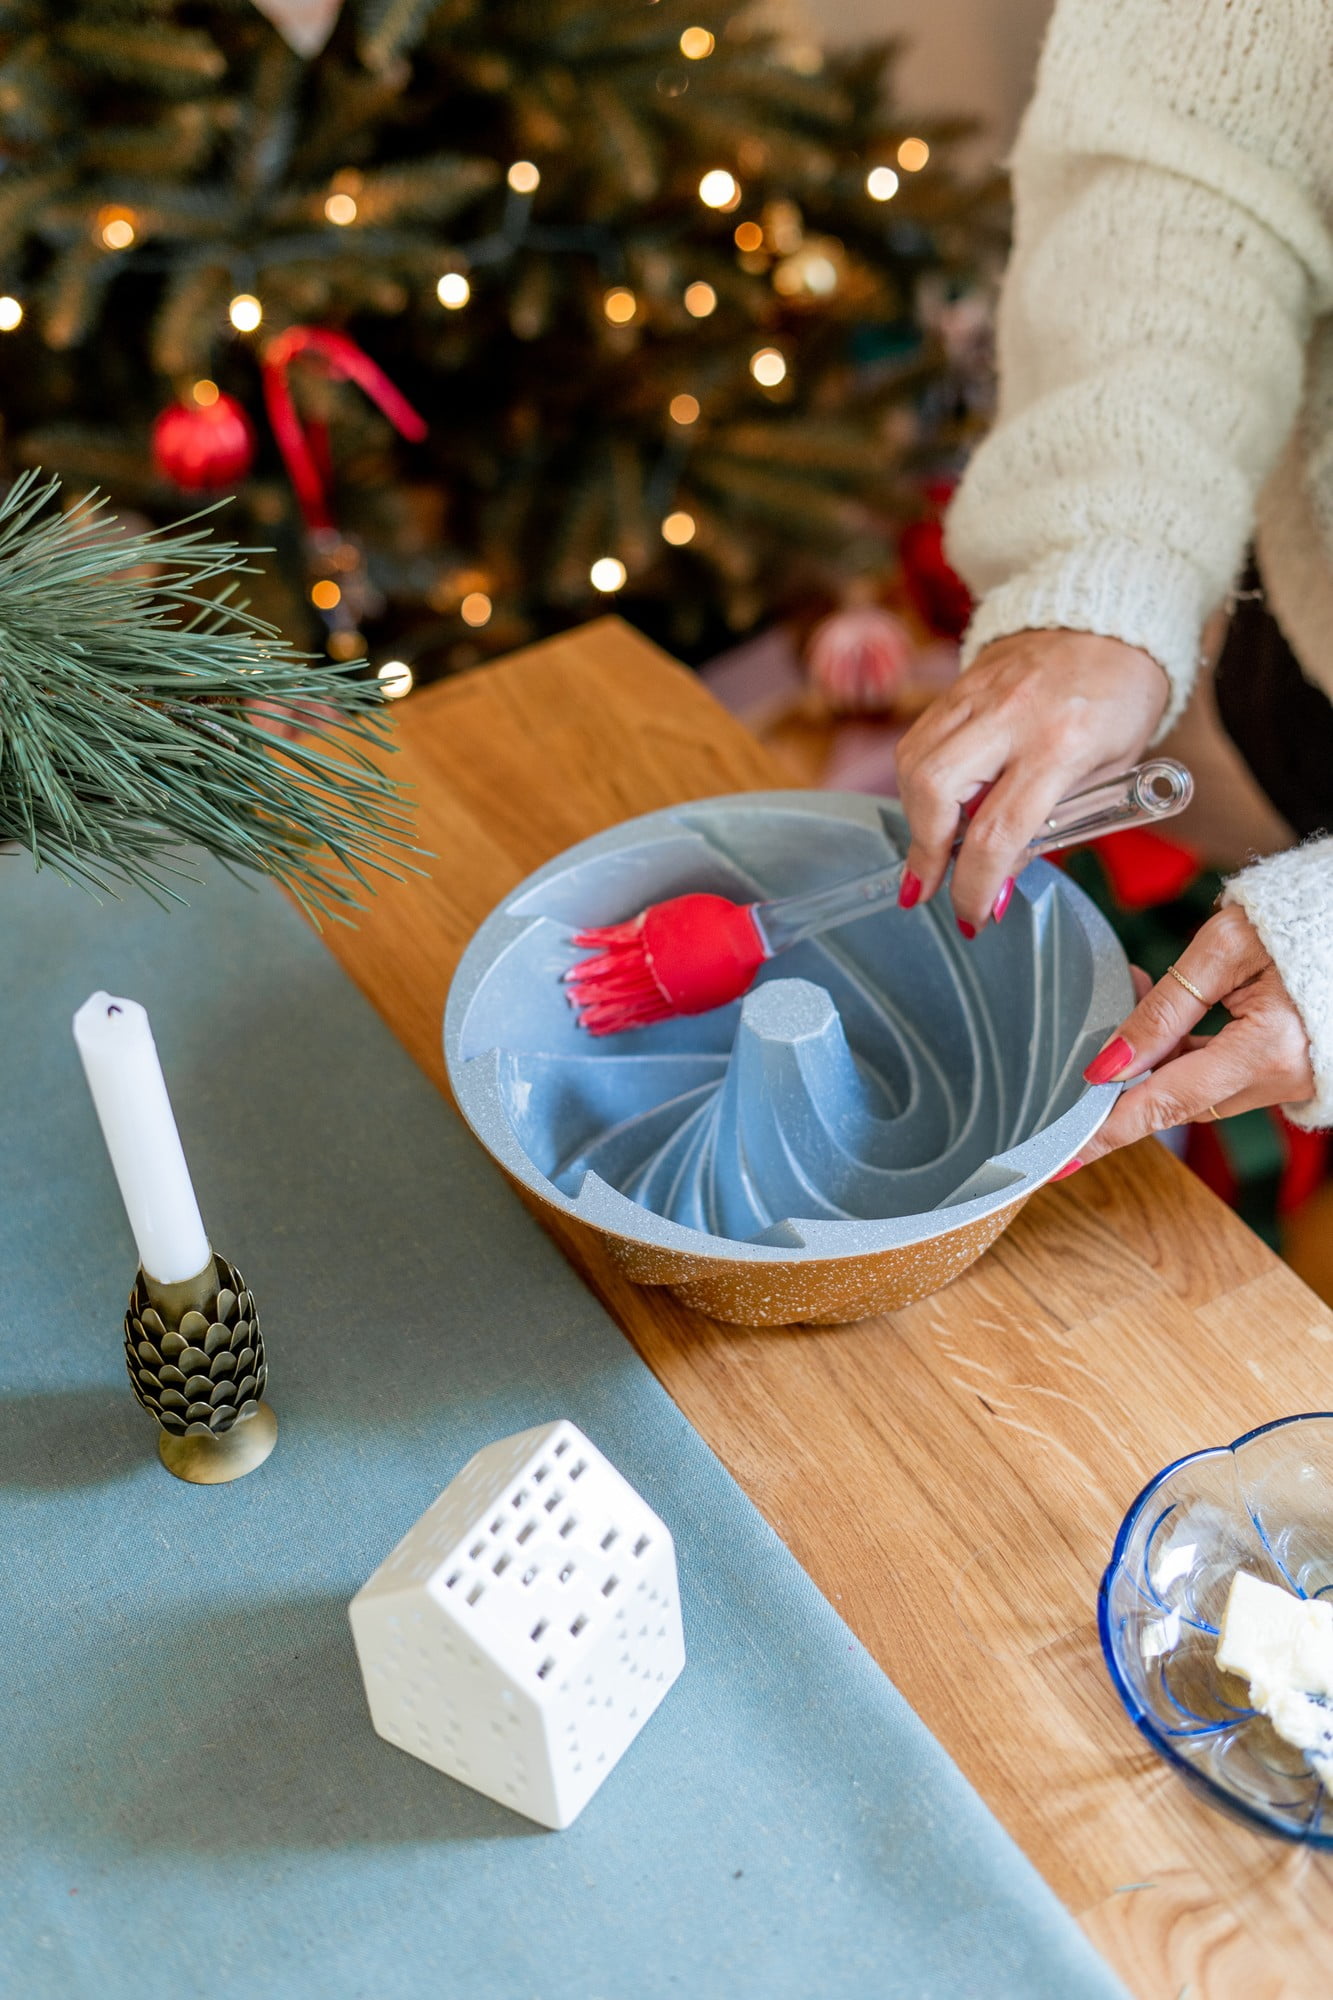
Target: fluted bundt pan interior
882,1087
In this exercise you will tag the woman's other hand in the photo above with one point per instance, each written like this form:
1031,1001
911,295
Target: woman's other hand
1261,1056
1034,717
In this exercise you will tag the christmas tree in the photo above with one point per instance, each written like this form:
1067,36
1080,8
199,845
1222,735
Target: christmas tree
650,271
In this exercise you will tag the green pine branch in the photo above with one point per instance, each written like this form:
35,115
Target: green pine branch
134,687
159,54
175,144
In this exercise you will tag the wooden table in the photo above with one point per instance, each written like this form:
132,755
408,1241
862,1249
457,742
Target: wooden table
951,1475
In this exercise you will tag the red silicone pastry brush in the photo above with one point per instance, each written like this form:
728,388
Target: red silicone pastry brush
697,952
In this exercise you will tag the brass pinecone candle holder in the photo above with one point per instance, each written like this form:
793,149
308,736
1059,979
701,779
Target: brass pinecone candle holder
196,1362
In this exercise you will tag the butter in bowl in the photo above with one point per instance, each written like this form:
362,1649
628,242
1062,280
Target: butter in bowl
1216,1619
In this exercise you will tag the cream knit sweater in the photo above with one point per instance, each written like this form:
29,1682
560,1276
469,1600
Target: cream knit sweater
1166,373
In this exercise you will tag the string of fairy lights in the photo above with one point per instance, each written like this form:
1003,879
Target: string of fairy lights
775,243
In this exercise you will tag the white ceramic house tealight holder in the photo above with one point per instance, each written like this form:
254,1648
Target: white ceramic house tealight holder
522,1633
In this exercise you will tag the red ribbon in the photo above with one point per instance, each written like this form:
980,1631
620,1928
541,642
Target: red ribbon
305,449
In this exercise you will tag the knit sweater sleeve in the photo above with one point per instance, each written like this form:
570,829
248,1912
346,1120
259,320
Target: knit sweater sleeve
1171,252
1289,900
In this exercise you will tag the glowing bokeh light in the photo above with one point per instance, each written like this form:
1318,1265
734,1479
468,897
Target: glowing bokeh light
395,678
719,189
245,312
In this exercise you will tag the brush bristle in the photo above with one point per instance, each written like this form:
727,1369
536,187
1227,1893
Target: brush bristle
615,991
605,937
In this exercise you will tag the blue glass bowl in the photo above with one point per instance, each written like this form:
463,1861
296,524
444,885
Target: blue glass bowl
1264,1503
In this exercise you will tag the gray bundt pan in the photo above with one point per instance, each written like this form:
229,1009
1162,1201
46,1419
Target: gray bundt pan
847,1138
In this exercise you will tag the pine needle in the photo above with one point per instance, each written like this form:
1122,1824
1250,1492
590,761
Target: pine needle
133,682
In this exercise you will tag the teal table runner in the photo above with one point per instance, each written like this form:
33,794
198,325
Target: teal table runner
194,1801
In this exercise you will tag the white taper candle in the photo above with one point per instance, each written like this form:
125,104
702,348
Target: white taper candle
125,1077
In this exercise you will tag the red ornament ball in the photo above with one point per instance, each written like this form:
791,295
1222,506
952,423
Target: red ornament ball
859,658
204,445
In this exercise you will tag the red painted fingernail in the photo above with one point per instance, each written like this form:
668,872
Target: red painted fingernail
1002,900
969,930
1117,1055
909,890
1069,1167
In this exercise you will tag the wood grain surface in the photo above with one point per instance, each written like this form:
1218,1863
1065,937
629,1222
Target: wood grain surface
951,1475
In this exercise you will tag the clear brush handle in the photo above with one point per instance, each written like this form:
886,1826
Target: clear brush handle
1140,797
1149,792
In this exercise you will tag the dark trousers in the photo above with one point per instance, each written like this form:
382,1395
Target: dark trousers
1280,723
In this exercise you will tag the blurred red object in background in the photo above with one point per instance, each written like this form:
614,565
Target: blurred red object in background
1145,868
203,446
859,658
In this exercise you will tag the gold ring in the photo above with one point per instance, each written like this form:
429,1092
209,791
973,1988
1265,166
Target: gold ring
1189,986
1208,1117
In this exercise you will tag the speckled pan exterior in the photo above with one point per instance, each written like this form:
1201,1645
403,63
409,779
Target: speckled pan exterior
846,1139
813,1291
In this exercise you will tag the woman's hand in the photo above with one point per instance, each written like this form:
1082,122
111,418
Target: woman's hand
1034,717
1262,1056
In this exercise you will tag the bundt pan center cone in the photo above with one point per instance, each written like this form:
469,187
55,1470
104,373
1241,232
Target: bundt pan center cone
846,1138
